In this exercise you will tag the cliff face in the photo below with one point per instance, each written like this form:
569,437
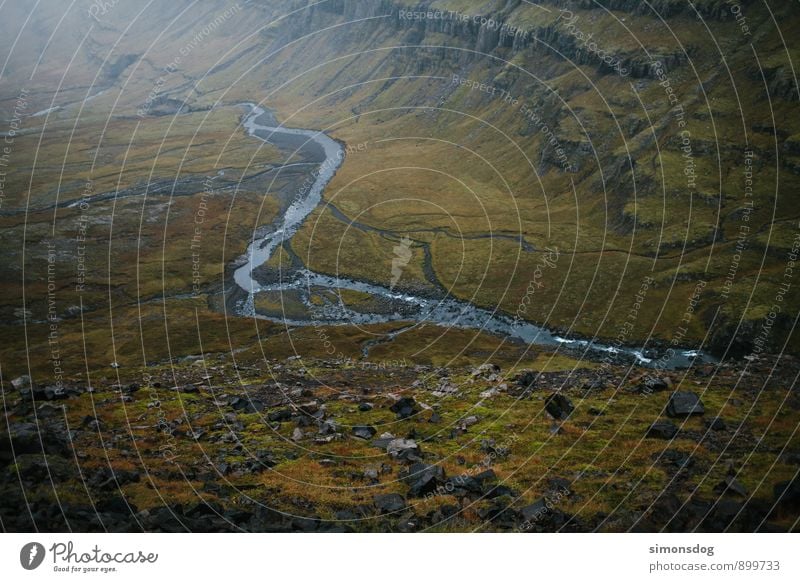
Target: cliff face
501,31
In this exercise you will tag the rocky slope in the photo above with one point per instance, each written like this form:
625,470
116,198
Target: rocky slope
203,445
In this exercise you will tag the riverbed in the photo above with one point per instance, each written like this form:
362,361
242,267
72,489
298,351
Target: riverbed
443,311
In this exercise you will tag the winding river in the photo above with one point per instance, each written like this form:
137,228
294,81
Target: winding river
445,312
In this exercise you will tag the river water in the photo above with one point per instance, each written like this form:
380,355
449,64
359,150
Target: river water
445,311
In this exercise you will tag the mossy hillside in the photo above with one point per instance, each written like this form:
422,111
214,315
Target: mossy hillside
600,449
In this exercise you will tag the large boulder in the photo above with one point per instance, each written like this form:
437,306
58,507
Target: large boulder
682,404
559,406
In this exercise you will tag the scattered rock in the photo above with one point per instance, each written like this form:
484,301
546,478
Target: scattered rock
559,406
106,480
404,450
682,404
423,478
651,385
404,408
487,372
596,385
389,503
280,415
731,485
716,423
383,441
662,430
446,389
526,379
467,422
246,405
22,384
677,458
365,407
364,432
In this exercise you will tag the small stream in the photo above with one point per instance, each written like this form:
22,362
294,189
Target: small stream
399,306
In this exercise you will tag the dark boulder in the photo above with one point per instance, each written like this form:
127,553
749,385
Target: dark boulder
682,404
27,437
280,415
404,408
559,406
787,494
677,458
246,405
534,512
106,479
527,379
559,485
652,384
731,485
662,430
389,503
423,478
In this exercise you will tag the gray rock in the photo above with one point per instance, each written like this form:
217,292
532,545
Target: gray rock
23,383
389,503
423,478
364,432
404,449
682,404
486,371
404,408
